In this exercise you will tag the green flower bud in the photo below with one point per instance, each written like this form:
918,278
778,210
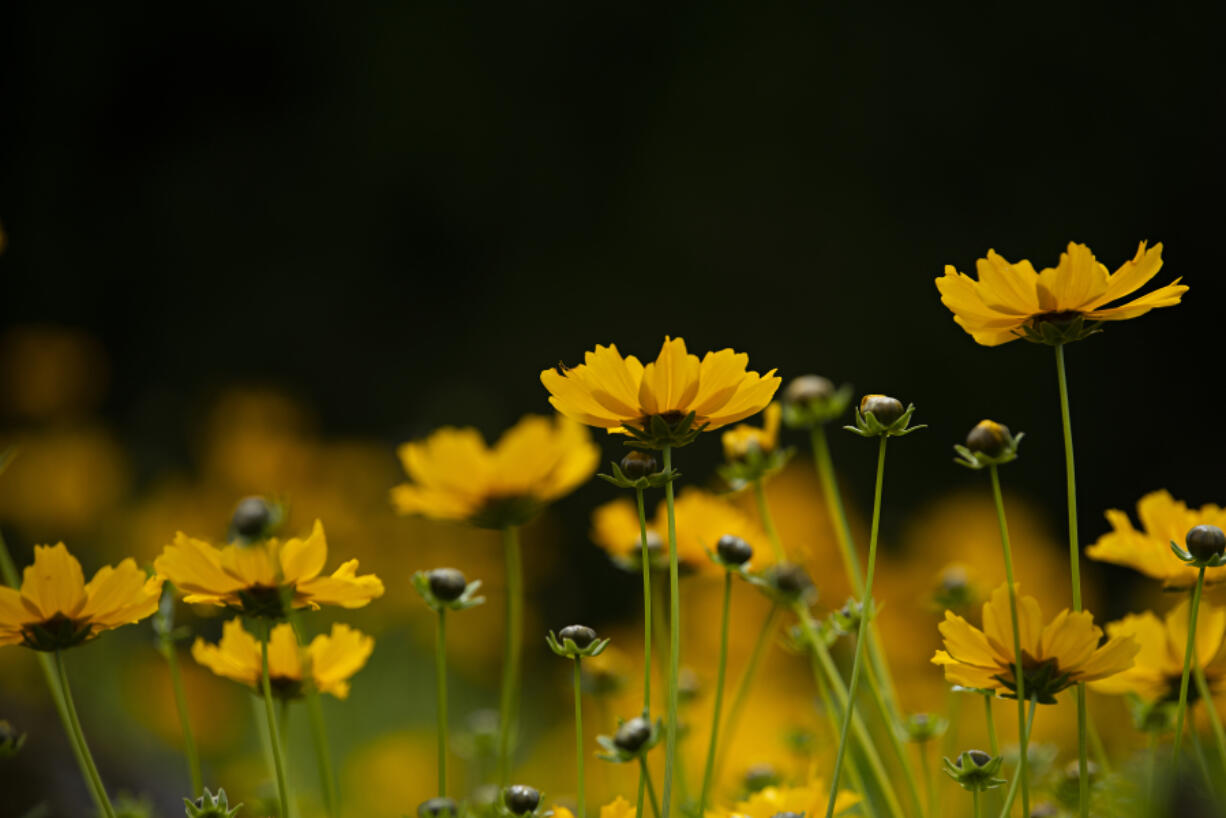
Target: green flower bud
438,807
790,580
808,389
760,776
1204,542
733,550
252,518
638,464
632,734
521,799
884,408
988,437
978,757
211,805
581,635
447,584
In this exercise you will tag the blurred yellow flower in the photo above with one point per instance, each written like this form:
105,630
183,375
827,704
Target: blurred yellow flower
807,799
619,807
56,608
1008,296
455,476
612,392
1163,520
742,439
331,660
1055,656
260,578
1159,664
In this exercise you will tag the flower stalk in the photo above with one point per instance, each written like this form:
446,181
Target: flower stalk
765,634
674,637
719,694
645,559
166,646
512,650
768,522
274,735
1188,655
579,737
440,680
77,736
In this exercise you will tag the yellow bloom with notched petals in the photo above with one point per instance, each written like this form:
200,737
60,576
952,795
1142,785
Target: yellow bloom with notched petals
614,393
1055,656
330,660
1163,520
1159,665
56,608
807,799
455,476
743,439
1010,296
262,578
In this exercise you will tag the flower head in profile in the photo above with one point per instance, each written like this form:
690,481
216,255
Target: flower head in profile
56,608
1159,664
265,578
1011,300
809,798
455,476
1163,520
665,402
1061,653
329,661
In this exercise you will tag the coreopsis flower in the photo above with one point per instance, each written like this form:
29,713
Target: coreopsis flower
1159,665
56,608
809,798
1163,520
743,439
1061,653
1011,300
665,402
455,476
330,661
264,578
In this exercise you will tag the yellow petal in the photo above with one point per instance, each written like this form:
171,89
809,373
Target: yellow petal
304,559
335,658
54,584
194,566
1131,276
284,657
1009,288
343,588
1076,281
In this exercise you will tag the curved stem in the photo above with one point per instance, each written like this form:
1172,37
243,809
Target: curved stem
834,715
77,736
719,695
1206,696
1188,653
900,752
768,523
579,737
739,699
865,616
1004,812
645,558
512,649
274,736
185,724
440,680
674,638
651,790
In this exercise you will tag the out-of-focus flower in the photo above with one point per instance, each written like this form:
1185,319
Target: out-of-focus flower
622,395
149,700
260,579
743,438
330,660
48,371
619,807
455,476
1010,299
56,608
391,772
807,799
1055,656
1163,520
1159,665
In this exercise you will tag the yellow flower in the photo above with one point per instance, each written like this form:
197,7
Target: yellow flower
455,476
260,579
742,439
616,393
1062,653
806,799
618,808
1159,665
1008,297
1163,520
56,608
330,660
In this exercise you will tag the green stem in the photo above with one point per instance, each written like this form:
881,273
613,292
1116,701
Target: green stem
512,649
1151,772
1206,696
647,626
1019,674
1096,743
1201,761
274,735
185,724
865,616
77,736
1004,812
929,784
674,638
319,734
834,715
768,523
1188,653
440,678
719,695
991,721
741,697
579,736
900,752
651,789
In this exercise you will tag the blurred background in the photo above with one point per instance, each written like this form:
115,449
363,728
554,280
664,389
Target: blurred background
251,251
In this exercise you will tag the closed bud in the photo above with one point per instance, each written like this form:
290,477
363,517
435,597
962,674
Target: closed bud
439,807
760,776
733,550
988,437
807,389
521,799
884,408
790,579
638,464
447,584
581,635
633,734
978,757
252,518
688,685
1204,542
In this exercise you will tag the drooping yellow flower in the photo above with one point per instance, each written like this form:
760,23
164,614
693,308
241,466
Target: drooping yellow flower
1010,296
742,439
1159,664
262,578
1055,656
455,476
807,799
1163,520
56,608
330,660
616,393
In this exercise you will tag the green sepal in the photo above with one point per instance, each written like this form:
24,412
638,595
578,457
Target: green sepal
740,569
211,806
867,424
56,633
923,727
656,480
980,460
467,599
1153,717
818,412
1185,556
657,433
1043,681
568,649
260,602
1054,332
754,466
972,777
505,512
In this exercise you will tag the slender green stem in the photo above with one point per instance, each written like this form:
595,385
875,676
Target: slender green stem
834,715
768,522
512,650
1151,772
645,558
1096,743
440,680
77,736
1206,696
1019,674
1201,761
900,752
866,615
579,737
1188,653
1004,812
674,639
651,789
319,737
185,723
274,735
741,697
719,695
991,722
929,785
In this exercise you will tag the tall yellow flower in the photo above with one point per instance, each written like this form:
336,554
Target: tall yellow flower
623,395
329,661
1009,297
1163,520
742,440
263,578
56,608
806,799
455,476
1055,656
1159,664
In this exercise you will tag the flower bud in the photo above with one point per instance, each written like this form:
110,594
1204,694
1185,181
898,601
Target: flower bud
520,798
638,464
988,437
884,408
760,776
978,757
688,685
788,815
447,584
790,579
581,635
733,550
632,734
252,518
807,389
438,807
211,805
1204,542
